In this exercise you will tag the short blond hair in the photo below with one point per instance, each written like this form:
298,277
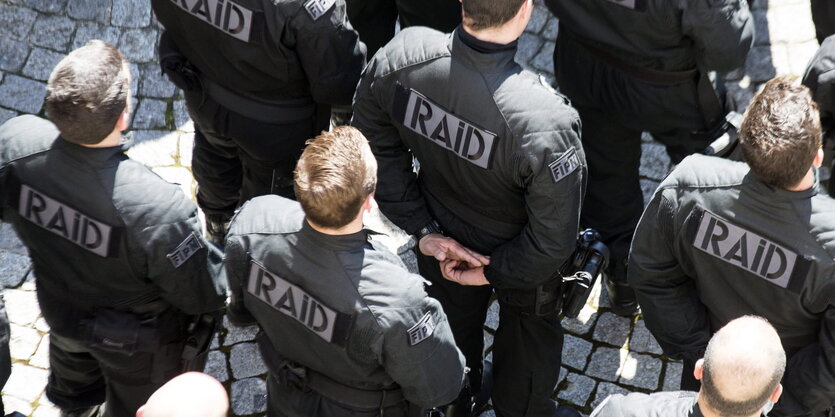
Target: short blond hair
335,174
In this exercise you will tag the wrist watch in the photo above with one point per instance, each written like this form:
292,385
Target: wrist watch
431,227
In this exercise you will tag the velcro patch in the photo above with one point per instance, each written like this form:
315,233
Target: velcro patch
428,119
564,165
295,302
318,8
63,220
422,329
640,5
745,249
224,15
185,250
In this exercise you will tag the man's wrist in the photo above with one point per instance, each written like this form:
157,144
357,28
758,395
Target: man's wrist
428,229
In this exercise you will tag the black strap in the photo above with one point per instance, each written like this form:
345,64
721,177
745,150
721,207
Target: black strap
266,111
355,398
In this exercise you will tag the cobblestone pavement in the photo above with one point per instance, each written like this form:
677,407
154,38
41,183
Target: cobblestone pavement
603,353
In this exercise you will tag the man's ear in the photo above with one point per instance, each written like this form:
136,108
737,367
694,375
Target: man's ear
140,411
818,161
776,394
699,369
124,120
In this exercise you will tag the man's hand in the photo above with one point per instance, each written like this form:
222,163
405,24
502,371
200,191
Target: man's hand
446,248
463,273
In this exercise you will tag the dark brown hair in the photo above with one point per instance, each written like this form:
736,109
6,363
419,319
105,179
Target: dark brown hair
781,132
483,14
335,174
87,92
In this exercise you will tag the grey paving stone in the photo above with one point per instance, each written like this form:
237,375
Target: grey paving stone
46,410
583,323
641,371
245,361
529,45
41,357
672,376
9,241
544,60
800,55
88,31
612,329
216,366
40,63
249,396
97,10
643,341
789,22
648,188
154,83
761,30
150,114
578,389
26,382
551,31
215,341
604,390
185,148
177,175
130,13
41,326
24,342
492,320
154,147
539,16
54,32
237,334
16,21
13,269
22,306
655,163
138,45
605,363
575,352
22,94
14,53
759,66
181,117
47,6
563,373
6,114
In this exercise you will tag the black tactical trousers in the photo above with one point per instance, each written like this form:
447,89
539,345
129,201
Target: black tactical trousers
375,19
823,14
81,376
527,350
5,356
236,158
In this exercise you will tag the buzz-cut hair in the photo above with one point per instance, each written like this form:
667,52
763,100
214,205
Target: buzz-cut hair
334,175
484,14
781,132
87,92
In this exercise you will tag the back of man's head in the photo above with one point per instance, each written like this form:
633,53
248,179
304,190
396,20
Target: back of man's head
87,92
483,14
781,132
334,175
192,394
742,368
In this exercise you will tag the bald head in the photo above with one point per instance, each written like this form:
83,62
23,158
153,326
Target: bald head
192,394
742,367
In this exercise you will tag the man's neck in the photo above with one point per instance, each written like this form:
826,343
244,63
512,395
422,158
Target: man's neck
350,228
806,183
708,412
498,35
113,139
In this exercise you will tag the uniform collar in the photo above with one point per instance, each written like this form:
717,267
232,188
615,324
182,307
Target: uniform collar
94,155
338,242
779,194
496,59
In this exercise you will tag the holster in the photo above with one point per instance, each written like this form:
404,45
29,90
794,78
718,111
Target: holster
174,65
199,335
580,274
128,332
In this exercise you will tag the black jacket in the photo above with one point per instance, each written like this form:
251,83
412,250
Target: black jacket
501,165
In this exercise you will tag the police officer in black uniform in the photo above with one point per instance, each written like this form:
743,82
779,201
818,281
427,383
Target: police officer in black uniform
123,273
823,15
376,20
723,239
740,376
347,330
640,65
820,78
501,173
260,77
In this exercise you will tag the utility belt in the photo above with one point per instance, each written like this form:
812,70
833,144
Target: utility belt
186,76
568,291
714,116
289,372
